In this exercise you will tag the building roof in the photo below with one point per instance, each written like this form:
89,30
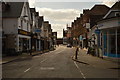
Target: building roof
54,33
46,22
113,10
32,10
99,9
40,20
37,14
12,9
49,28
116,5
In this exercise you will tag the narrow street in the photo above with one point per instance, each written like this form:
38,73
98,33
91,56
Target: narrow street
58,64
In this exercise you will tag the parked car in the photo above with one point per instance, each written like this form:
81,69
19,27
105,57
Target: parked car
69,45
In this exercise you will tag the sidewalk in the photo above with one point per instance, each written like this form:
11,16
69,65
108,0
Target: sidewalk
117,60
94,61
23,55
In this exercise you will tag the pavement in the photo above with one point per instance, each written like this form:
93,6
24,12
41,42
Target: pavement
8,59
116,60
95,61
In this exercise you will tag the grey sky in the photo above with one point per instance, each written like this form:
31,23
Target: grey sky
61,13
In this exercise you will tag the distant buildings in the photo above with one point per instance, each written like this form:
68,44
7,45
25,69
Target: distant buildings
24,30
54,37
64,37
59,41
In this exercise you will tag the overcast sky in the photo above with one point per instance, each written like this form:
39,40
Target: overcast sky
63,12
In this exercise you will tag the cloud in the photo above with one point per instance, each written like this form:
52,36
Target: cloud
70,0
59,17
32,3
108,2
59,28
59,14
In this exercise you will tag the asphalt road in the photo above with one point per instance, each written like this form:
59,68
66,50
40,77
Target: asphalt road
54,64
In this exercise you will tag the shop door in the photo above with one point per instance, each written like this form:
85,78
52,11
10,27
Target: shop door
105,44
25,44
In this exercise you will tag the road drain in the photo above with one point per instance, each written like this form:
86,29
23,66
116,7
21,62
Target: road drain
114,68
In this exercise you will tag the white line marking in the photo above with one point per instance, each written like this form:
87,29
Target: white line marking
79,70
27,70
60,51
43,60
76,65
47,68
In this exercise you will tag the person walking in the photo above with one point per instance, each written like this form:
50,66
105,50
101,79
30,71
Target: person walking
76,52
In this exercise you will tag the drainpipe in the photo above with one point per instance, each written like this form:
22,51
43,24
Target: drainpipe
116,42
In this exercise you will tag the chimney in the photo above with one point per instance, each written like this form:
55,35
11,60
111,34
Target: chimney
81,15
85,10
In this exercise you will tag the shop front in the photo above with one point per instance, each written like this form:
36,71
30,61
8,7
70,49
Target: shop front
24,41
111,43
35,42
110,37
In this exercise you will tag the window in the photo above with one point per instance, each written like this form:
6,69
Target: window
117,14
118,39
24,10
27,26
21,24
112,41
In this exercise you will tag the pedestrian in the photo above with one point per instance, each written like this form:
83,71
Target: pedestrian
30,52
76,52
88,52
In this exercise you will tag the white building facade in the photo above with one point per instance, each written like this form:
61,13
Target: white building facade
16,27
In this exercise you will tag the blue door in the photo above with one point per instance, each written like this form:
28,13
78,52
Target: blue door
105,44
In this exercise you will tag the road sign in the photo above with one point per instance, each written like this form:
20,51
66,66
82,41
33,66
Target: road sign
37,30
97,31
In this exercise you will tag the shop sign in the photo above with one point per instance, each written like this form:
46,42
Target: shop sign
23,32
37,30
97,31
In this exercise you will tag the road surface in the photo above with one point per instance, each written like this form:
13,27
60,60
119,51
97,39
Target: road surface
55,64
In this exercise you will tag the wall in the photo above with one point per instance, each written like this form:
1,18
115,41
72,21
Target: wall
10,41
42,30
109,23
10,25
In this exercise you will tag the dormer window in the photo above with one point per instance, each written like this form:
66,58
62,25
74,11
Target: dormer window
21,24
117,14
24,10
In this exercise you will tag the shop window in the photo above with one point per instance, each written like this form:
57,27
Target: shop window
112,41
105,41
117,14
118,39
20,44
